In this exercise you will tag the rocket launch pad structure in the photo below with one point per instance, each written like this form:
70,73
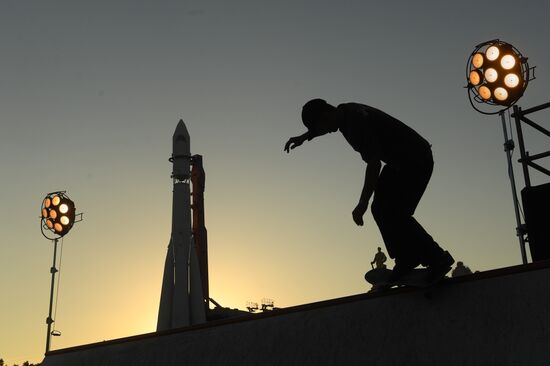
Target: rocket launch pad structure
185,280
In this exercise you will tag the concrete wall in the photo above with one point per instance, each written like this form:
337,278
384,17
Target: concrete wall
493,318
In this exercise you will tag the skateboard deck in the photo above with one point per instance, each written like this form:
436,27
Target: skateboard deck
380,278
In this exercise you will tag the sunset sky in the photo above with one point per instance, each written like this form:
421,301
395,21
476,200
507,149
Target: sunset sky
91,92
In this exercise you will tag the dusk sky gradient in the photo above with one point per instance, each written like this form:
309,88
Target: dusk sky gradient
91,93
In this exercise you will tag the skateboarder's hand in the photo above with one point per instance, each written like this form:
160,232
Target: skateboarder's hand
358,213
293,143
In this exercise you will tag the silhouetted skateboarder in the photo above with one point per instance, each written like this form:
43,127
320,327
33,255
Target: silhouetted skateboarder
397,188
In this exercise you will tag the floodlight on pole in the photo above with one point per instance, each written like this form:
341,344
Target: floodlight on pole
497,75
57,217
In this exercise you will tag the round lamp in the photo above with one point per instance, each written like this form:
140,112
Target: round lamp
58,213
497,74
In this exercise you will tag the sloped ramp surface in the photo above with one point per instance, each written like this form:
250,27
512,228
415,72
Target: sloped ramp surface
500,317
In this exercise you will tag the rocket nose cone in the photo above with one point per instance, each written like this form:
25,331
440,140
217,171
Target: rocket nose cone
181,129
181,138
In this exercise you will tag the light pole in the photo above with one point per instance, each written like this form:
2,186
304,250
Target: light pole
497,75
58,216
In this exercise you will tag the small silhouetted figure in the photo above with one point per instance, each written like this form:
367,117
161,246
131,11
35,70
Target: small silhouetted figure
461,270
379,259
397,188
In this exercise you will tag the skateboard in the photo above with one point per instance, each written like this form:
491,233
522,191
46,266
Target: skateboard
380,279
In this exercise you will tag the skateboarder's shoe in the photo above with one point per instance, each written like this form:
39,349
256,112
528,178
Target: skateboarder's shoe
401,269
439,268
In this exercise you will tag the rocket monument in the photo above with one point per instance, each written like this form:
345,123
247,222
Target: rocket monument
182,301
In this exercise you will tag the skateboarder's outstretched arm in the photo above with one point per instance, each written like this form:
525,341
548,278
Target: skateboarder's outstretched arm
296,141
371,178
